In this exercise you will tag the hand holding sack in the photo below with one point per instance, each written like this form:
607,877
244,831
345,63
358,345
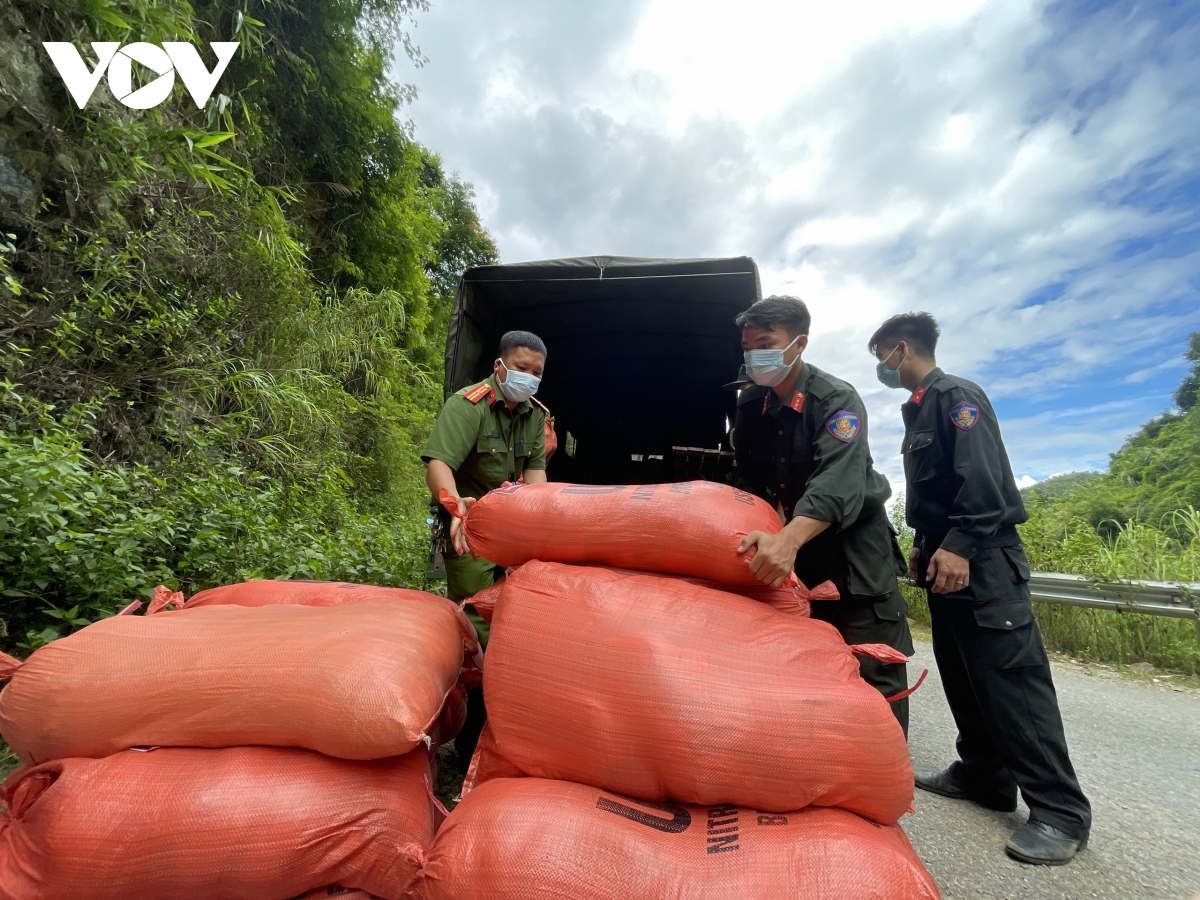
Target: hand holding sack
362,680
658,688
691,528
251,823
531,839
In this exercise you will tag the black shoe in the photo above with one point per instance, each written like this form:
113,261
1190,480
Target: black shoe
1040,844
943,783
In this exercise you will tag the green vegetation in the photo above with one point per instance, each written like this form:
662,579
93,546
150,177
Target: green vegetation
220,330
1141,520
1060,484
1153,476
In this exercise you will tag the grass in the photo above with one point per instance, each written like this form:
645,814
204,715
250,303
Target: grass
8,759
1134,550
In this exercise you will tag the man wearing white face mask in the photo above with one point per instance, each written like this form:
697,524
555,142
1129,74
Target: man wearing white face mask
485,435
800,443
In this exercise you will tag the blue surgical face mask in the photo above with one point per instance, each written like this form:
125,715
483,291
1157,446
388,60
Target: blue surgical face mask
518,386
890,377
766,367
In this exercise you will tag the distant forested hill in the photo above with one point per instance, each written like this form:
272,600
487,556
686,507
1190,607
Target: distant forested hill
1060,484
1152,478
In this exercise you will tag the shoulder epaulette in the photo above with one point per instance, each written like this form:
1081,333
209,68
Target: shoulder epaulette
480,391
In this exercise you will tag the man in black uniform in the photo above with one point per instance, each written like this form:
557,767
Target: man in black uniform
800,443
964,506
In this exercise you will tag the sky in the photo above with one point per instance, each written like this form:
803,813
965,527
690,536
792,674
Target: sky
1026,171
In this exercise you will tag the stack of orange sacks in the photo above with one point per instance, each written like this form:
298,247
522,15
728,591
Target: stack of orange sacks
262,741
685,734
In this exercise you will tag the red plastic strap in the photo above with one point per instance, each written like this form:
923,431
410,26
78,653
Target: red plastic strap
907,691
131,608
433,798
8,666
28,791
449,503
164,597
826,590
881,652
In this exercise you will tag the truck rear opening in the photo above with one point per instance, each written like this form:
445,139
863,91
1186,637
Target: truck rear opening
640,355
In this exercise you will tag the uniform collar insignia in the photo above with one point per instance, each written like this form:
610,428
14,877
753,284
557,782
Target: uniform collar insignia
918,396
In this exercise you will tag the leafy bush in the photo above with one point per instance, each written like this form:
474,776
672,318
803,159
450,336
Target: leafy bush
221,329
80,541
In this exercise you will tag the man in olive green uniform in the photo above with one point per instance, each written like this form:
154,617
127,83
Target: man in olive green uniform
800,443
485,435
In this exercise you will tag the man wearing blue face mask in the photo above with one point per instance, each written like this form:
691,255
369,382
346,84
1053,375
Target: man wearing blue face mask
964,507
800,442
485,435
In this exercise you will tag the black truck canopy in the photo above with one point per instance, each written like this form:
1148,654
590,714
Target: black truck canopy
639,351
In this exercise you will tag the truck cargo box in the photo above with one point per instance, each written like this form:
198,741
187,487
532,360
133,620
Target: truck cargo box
640,355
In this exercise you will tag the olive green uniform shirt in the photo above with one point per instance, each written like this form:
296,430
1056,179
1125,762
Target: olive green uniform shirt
484,442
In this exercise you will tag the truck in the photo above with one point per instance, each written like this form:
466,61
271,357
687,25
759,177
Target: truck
642,356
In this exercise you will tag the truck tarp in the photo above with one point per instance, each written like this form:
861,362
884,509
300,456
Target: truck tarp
639,352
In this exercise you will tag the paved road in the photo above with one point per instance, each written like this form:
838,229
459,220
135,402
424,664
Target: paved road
1136,748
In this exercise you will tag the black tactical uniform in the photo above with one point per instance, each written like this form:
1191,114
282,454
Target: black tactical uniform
962,497
809,457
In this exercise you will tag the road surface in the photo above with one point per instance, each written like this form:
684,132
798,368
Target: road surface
1136,747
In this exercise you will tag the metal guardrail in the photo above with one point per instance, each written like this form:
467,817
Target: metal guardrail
1177,600
1155,598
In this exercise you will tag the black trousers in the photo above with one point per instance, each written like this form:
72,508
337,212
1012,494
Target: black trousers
874,620
997,681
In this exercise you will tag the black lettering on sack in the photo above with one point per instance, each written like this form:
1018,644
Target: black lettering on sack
681,488
722,836
772,820
615,489
743,497
679,821
643,492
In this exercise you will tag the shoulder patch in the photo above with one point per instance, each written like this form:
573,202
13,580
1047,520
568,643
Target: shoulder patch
477,393
843,425
964,415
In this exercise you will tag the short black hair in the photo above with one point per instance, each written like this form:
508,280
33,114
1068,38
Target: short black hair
919,329
777,311
513,340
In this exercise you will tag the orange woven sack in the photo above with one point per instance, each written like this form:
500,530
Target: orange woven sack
266,592
363,680
530,839
250,823
691,528
657,688
792,600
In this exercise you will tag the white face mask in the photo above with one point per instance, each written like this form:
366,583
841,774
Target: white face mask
766,367
518,386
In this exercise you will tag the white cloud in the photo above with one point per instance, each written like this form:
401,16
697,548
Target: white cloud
958,156
1026,481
